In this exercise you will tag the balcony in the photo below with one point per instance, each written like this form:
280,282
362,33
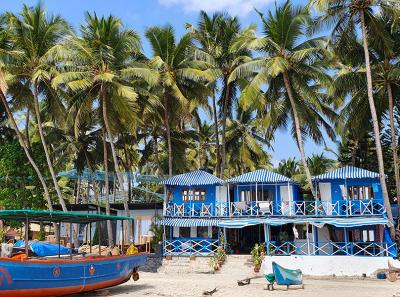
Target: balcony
342,208
190,247
371,249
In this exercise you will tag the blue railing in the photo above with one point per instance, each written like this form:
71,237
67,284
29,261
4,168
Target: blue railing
340,208
190,247
371,249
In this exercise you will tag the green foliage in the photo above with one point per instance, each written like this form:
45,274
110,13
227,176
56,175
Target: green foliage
19,186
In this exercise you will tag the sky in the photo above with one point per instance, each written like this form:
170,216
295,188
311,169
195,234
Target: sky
141,14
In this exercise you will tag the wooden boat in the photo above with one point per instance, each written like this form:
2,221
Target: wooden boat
63,275
287,277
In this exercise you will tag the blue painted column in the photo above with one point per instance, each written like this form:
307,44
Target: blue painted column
267,238
346,240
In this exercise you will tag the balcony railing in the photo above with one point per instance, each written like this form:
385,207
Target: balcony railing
371,249
341,208
190,247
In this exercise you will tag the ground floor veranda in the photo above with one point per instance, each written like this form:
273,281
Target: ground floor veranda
303,239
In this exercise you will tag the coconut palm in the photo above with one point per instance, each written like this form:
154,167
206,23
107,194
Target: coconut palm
345,16
6,56
181,79
216,35
103,61
294,71
245,143
35,36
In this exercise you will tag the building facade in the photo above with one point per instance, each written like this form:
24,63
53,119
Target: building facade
348,216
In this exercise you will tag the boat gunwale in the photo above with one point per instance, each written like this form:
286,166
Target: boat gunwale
71,261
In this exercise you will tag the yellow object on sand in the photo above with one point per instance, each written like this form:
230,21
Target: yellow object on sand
132,250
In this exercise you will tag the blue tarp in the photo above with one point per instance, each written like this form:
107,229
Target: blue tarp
386,238
43,249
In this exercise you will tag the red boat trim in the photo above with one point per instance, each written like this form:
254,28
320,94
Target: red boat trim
58,261
61,291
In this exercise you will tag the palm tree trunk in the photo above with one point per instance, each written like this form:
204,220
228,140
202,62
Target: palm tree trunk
160,170
27,120
224,116
217,153
114,155
375,123
298,132
394,142
128,173
46,151
26,150
169,142
108,212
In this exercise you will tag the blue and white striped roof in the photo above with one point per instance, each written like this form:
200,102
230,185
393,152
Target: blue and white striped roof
260,176
188,222
347,172
194,178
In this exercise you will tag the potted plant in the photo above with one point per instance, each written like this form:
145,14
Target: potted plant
257,256
221,256
213,263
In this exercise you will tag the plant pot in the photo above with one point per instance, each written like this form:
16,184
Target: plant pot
168,257
220,262
216,267
257,268
192,258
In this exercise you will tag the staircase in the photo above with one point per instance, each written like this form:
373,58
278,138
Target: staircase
240,265
184,265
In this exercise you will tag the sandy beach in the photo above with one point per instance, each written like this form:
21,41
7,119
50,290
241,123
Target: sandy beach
177,285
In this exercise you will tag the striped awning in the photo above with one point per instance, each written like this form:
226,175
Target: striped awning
318,222
240,222
194,178
347,172
260,176
187,222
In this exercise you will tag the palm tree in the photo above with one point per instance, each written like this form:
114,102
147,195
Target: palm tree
216,35
36,36
245,143
104,60
289,167
294,71
181,79
345,15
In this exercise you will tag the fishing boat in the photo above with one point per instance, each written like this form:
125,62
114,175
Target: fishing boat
287,277
60,275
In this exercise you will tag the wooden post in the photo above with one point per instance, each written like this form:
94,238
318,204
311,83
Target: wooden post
123,237
26,236
59,239
99,236
70,241
90,237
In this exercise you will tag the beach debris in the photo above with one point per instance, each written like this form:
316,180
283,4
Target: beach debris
209,293
244,282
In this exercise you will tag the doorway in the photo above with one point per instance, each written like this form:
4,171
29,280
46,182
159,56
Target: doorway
242,240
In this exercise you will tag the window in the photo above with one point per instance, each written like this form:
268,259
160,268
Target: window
301,231
184,232
368,235
360,193
262,195
193,195
202,232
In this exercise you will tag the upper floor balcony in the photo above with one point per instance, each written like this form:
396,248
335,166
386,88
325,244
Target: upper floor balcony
343,208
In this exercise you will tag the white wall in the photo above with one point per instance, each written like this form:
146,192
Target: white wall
330,265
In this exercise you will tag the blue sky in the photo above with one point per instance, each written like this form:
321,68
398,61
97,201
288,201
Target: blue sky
141,14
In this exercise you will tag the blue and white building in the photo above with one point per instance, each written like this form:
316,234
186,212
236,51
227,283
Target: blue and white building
348,217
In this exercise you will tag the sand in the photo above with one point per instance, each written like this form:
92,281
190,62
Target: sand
177,285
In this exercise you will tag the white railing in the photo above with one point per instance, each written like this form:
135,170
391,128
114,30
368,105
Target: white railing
371,249
190,247
341,208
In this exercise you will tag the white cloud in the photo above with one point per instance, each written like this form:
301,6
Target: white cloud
234,7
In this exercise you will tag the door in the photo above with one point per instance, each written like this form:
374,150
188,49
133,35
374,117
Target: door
326,197
221,199
286,199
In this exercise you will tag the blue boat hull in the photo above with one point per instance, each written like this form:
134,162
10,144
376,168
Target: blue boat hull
62,277
285,276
